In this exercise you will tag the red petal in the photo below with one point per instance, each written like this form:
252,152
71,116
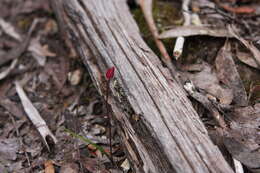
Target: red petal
110,73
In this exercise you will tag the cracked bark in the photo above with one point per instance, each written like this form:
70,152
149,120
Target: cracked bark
158,125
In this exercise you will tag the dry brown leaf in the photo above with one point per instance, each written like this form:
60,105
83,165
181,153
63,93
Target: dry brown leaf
69,168
247,59
94,165
49,168
9,148
239,10
228,74
51,26
250,46
208,81
42,50
243,139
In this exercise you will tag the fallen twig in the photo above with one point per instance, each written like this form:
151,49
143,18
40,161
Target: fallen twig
238,10
177,51
190,88
9,29
146,6
238,166
34,116
5,73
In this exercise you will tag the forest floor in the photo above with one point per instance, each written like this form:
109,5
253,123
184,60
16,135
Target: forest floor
37,66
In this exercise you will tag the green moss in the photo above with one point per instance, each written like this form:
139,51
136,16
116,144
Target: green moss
166,14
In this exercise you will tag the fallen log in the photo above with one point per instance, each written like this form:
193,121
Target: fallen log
159,127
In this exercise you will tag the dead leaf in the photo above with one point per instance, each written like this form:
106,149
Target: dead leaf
40,52
249,158
254,92
239,10
11,107
49,168
243,138
9,29
94,166
185,31
75,77
228,74
51,27
247,59
250,46
207,80
58,69
69,168
9,148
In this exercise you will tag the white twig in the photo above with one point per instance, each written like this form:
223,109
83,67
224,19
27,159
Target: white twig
5,73
34,115
238,166
177,51
9,29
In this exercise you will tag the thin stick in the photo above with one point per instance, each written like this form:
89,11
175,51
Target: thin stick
34,115
238,166
146,6
109,123
190,88
177,51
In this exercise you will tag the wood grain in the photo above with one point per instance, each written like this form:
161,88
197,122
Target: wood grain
158,125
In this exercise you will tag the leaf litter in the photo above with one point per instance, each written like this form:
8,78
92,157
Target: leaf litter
52,93
42,63
222,85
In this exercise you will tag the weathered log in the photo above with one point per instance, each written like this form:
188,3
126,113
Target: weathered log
159,127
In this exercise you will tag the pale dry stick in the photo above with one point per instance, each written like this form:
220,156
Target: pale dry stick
34,115
177,51
238,166
7,71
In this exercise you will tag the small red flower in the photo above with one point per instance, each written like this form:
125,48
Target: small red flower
110,73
